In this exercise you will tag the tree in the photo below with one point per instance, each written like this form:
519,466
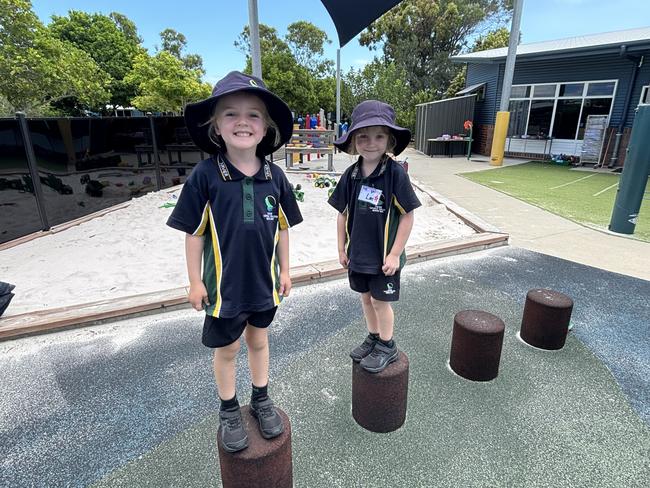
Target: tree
420,35
174,43
269,41
306,42
164,83
110,40
492,40
37,69
291,82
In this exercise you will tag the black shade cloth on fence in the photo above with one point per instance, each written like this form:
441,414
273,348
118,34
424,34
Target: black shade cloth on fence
352,16
5,296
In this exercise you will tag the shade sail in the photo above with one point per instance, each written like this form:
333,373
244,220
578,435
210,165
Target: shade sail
352,16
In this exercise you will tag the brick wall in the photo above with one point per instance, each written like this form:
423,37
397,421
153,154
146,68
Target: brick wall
483,134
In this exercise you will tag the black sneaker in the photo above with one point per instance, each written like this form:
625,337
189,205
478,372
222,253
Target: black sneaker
380,357
269,420
232,434
365,348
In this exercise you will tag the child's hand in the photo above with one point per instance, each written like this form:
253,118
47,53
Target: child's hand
343,259
285,284
391,265
198,295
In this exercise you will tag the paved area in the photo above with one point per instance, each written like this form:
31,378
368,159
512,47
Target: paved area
133,403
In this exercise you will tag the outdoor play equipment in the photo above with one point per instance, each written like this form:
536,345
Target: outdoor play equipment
379,399
476,344
545,323
634,178
264,463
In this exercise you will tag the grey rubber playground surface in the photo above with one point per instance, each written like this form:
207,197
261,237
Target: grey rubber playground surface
133,403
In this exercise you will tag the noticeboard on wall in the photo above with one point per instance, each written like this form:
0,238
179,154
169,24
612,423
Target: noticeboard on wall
592,145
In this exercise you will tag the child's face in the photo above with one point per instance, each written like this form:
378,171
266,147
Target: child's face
240,121
371,142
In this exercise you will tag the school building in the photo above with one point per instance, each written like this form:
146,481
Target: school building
556,86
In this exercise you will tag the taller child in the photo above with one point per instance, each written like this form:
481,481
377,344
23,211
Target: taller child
236,208
375,201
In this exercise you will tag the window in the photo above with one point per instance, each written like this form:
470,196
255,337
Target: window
645,95
518,115
520,92
601,89
544,91
571,89
567,114
560,110
539,121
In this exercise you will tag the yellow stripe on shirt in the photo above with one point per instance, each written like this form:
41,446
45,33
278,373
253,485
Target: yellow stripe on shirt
217,262
276,239
399,207
200,230
282,218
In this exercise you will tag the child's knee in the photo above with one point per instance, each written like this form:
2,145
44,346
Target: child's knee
378,304
366,299
227,353
256,339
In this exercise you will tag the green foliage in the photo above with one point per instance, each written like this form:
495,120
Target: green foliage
306,42
174,43
37,69
291,82
164,83
420,35
269,41
111,41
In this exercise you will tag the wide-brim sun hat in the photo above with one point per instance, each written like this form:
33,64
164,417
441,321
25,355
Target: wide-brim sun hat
198,115
370,113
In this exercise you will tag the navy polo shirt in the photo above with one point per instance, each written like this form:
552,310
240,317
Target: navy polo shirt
241,218
371,228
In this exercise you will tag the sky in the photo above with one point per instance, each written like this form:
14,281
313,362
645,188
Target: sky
211,27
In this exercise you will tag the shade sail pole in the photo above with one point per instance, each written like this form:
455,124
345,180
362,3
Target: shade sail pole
338,90
254,27
503,116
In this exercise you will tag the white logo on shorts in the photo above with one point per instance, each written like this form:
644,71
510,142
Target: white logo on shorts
389,289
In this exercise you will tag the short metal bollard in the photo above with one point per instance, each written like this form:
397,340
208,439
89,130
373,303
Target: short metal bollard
379,399
476,344
264,463
545,323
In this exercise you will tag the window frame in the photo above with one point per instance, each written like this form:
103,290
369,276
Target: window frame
557,97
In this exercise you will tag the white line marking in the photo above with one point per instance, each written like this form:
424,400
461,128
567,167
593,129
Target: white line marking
574,181
603,191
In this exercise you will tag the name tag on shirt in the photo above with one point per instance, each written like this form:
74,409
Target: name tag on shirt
370,194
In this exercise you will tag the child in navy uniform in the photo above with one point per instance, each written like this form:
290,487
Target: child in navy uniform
375,201
235,209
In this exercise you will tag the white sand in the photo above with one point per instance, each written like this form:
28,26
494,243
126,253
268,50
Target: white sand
131,251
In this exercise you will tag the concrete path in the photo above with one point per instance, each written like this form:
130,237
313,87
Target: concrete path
133,403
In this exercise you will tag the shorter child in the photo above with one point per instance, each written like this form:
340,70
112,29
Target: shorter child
375,201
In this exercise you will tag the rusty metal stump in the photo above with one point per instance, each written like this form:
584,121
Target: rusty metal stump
545,323
264,463
379,399
476,344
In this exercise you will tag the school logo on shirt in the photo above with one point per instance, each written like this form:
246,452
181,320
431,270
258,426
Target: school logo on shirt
270,203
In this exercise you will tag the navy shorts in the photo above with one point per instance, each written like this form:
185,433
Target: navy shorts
220,332
381,287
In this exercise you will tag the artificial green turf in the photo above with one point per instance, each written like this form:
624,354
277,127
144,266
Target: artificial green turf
537,182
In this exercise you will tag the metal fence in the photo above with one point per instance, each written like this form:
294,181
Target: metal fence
53,170
435,119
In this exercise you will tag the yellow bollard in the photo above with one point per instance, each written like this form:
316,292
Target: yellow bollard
295,156
499,138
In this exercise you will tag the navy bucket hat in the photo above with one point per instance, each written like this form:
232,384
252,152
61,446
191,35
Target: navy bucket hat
374,112
197,115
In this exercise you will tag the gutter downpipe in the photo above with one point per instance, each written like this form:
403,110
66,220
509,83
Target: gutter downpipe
638,62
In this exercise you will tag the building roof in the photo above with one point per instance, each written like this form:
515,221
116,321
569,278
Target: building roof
595,43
